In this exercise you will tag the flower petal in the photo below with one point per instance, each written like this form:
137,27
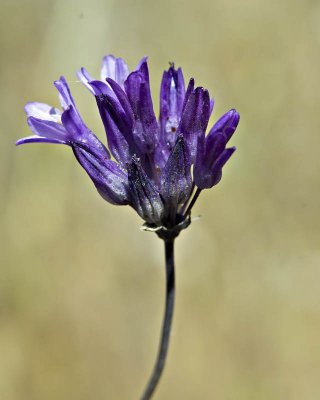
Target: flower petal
110,181
226,124
146,130
86,78
122,98
171,102
114,68
79,133
189,90
117,126
38,139
194,120
211,105
208,151
48,129
42,111
142,61
218,165
96,87
65,96
214,147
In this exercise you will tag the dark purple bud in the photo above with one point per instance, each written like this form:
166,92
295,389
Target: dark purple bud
176,180
144,197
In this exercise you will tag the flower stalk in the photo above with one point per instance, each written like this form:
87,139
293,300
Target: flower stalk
167,321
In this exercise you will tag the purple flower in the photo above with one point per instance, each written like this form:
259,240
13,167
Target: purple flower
157,164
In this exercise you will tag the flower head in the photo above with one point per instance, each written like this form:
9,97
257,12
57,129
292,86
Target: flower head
157,164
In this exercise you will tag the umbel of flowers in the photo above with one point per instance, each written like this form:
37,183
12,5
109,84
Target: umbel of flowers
157,166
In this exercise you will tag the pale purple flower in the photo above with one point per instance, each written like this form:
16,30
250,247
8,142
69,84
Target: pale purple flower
156,165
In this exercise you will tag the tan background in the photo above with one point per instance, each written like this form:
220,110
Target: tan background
81,288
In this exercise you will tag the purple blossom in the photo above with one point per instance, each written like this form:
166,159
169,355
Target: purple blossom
157,164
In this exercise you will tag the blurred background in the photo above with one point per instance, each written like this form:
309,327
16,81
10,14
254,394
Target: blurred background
82,288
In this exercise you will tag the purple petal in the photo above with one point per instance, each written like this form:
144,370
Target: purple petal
73,123
194,120
110,181
161,155
108,67
227,124
142,61
114,68
98,88
189,90
144,197
42,111
208,151
114,110
211,105
65,96
118,128
38,139
79,133
218,165
146,130
122,97
176,180
85,78
48,129
171,102
214,146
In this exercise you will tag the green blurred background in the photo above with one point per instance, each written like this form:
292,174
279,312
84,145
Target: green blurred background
82,288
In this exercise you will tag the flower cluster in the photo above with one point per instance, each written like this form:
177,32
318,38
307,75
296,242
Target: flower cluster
153,165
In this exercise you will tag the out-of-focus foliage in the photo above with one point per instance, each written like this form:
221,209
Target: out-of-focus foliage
81,288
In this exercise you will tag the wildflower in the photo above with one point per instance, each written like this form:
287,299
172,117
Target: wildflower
158,167
152,160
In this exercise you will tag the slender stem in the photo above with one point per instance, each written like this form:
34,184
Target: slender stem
195,197
166,327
